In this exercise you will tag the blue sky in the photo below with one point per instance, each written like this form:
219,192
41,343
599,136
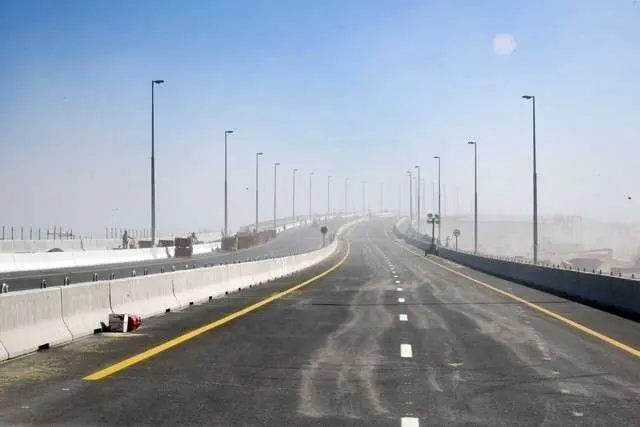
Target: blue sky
359,89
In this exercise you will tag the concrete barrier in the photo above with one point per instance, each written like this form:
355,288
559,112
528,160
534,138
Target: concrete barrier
7,263
43,261
609,292
3,352
12,262
143,295
193,287
45,317
616,294
205,248
30,320
85,306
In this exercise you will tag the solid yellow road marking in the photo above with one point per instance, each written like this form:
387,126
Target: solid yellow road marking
576,325
126,363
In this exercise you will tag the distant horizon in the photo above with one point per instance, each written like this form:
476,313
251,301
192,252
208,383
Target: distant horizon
483,217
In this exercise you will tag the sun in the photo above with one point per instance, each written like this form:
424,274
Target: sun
504,44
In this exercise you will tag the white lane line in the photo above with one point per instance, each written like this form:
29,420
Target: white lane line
403,317
409,422
406,351
395,276
399,289
397,281
400,299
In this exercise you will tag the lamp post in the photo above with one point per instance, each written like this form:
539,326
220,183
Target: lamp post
433,220
310,194
418,196
346,193
535,182
275,186
328,196
439,198
410,198
257,167
364,196
226,186
153,162
293,196
475,197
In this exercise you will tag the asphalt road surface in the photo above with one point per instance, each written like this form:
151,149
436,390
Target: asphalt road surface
294,241
386,338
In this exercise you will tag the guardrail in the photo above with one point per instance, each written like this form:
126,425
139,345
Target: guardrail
37,319
619,295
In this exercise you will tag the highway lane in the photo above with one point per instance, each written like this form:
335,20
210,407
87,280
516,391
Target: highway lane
388,338
294,241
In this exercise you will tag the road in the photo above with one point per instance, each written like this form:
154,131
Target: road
385,338
294,241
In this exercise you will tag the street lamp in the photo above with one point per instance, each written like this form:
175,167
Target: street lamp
328,196
153,163
410,198
381,197
293,195
535,182
418,196
226,186
433,220
310,188
475,196
258,154
439,190
364,196
275,185
346,192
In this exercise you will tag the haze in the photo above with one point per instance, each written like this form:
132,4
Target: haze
356,89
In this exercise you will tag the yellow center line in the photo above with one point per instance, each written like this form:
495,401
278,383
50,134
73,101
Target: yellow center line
126,363
602,337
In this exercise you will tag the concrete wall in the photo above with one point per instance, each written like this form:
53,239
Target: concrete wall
617,294
32,319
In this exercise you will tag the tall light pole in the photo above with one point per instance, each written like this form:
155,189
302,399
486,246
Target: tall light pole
346,197
410,198
293,195
418,195
535,182
310,194
328,196
153,163
258,154
424,193
364,197
381,197
439,199
475,195
226,186
275,186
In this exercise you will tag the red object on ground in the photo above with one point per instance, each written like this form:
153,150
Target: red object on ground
134,322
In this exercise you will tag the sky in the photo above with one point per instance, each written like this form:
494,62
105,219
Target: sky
358,89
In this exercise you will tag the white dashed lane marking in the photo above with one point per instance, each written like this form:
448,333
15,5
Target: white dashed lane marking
406,351
403,317
409,422
400,299
399,289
